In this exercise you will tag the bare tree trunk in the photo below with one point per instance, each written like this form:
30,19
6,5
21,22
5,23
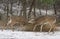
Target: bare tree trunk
40,10
4,7
29,14
46,12
34,9
19,11
54,6
46,9
7,9
11,9
24,8
34,12
10,6
40,6
55,9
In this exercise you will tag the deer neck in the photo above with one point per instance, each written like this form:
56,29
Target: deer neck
9,21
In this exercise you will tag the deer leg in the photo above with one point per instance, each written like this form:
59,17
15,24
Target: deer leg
4,26
50,28
12,27
54,27
41,28
34,27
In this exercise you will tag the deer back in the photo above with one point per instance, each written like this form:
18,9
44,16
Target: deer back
45,19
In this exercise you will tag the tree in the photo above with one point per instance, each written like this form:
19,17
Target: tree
10,6
34,13
30,9
46,4
39,4
24,6
54,6
7,7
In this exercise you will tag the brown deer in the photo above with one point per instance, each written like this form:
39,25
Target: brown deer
17,20
48,20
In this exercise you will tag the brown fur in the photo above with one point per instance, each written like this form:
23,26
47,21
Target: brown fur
2,24
18,20
45,19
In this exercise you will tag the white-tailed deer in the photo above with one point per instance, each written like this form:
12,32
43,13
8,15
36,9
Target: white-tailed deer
17,19
49,20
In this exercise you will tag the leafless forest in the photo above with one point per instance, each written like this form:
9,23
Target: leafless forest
30,15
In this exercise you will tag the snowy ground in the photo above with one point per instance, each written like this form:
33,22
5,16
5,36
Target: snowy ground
7,34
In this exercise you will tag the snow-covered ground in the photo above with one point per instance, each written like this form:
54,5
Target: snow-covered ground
8,34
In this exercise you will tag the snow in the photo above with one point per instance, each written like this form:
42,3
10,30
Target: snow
8,34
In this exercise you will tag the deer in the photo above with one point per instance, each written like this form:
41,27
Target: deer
21,20
48,20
